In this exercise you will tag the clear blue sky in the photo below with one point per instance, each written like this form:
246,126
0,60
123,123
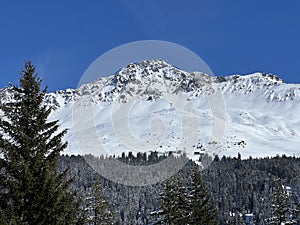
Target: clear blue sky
62,38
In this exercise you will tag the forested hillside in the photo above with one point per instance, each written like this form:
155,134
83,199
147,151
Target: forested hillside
239,188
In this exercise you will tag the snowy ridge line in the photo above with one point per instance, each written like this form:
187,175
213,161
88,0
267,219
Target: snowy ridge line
151,79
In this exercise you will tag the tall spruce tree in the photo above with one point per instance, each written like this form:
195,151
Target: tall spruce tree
173,203
200,205
32,191
282,213
98,207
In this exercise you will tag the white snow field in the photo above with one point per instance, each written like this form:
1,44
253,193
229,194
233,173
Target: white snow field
154,106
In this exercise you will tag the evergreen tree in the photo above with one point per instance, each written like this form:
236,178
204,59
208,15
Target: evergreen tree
201,209
32,191
98,207
173,203
281,210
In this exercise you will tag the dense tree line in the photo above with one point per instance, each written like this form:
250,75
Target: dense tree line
239,188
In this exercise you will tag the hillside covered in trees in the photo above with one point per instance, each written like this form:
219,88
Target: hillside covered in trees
242,190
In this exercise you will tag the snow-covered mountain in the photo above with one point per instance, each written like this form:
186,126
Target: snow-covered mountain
154,106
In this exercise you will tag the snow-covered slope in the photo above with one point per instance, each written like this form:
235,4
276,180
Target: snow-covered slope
154,106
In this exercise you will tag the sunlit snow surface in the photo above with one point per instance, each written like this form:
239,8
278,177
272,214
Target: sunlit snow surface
261,113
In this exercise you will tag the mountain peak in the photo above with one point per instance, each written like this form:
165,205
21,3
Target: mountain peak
152,79
148,69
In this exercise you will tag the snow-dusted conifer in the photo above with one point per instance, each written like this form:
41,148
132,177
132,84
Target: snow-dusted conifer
202,211
31,189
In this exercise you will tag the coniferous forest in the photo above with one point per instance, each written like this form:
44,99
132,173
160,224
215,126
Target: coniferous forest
241,190
39,185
